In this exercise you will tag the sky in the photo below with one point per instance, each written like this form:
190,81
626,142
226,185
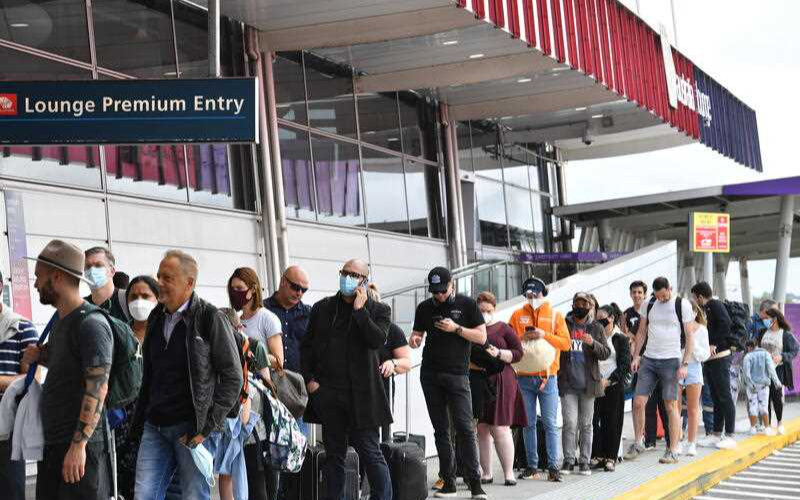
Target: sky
751,48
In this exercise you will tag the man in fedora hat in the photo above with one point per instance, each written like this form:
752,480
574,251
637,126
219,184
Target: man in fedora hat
78,358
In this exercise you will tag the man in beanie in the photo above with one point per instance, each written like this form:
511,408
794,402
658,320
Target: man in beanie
78,358
453,323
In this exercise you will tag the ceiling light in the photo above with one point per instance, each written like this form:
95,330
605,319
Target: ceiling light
523,80
581,109
450,42
392,139
476,56
597,116
170,73
19,25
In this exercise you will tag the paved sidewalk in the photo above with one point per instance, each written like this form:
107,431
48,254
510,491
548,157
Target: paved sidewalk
605,485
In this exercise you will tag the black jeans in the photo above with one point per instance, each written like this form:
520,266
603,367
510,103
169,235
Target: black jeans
775,401
12,473
655,407
609,413
95,483
335,409
718,374
443,392
262,483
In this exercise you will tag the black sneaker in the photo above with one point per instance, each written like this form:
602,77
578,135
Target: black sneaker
477,491
650,446
584,470
567,467
554,476
448,490
528,473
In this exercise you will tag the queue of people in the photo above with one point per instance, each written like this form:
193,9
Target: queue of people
196,420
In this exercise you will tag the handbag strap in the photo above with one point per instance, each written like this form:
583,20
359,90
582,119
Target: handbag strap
32,368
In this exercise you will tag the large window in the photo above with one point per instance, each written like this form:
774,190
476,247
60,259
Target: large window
338,189
378,119
385,190
290,87
298,179
330,98
491,212
57,26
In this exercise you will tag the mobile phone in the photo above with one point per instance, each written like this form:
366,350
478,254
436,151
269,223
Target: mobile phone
437,318
530,328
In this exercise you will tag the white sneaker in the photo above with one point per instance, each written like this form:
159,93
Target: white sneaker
769,431
781,430
726,443
690,450
753,431
709,441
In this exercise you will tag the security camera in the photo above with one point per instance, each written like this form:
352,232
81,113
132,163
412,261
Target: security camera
588,138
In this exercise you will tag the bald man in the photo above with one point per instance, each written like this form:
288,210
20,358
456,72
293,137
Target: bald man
340,362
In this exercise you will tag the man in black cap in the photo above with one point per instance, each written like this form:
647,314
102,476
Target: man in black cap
452,322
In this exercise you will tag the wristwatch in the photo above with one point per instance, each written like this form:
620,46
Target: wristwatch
459,330
685,363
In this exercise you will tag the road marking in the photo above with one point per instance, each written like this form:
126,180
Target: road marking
761,475
785,459
755,495
760,480
728,482
772,469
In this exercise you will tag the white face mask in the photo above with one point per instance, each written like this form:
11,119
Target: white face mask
536,302
488,317
141,308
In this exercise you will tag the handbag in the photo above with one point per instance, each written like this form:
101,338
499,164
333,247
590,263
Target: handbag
291,390
538,355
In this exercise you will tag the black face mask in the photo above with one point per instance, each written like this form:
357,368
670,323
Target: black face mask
580,312
603,322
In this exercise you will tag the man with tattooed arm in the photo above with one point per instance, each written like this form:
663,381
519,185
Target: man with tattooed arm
78,357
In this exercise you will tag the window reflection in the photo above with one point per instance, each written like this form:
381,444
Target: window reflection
147,170
422,182
297,177
486,152
378,119
290,91
385,193
66,165
57,26
330,97
491,212
418,122
337,181
19,66
520,219
538,203
464,147
134,38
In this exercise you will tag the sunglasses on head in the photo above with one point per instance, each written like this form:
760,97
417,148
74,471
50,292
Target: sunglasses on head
294,286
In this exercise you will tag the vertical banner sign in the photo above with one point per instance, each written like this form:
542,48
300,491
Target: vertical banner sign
792,312
17,251
710,232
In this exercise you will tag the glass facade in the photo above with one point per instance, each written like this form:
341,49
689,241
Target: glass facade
367,160
132,39
510,206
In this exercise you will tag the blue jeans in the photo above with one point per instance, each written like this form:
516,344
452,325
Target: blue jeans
548,398
160,457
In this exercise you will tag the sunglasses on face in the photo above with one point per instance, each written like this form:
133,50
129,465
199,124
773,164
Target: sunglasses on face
294,286
351,274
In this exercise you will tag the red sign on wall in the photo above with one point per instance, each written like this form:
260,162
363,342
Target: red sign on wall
710,232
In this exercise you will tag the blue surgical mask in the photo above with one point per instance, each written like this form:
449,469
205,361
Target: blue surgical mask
767,322
97,276
348,285
204,462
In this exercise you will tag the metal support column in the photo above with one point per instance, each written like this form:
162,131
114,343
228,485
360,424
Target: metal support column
784,249
214,70
456,213
616,241
744,278
720,275
708,268
594,243
582,239
689,272
606,235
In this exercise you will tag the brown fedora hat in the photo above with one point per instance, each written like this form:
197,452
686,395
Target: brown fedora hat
64,256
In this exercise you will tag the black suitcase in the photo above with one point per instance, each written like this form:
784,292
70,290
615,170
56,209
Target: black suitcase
418,439
406,462
313,484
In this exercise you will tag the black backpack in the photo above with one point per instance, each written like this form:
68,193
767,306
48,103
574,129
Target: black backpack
678,311
740,324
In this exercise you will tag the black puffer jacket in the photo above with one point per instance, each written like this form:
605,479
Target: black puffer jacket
367,335
215,372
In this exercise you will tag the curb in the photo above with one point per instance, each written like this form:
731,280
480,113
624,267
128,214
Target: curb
702,475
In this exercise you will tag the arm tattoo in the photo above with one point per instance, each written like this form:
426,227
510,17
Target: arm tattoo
96,380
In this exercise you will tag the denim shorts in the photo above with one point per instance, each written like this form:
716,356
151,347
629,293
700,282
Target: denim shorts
651,371
695,375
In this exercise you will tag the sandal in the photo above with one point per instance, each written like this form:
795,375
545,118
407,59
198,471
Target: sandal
609,466
596,463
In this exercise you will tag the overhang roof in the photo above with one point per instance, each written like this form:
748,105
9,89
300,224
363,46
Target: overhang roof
754,208
586,75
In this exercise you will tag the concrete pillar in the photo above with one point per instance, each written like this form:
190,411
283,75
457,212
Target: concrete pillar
744,277
582,240
690,272
720,275
784,248
615,240
708,268
604,228
594,242
630,243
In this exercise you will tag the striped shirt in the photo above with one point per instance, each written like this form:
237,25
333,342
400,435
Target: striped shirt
11,349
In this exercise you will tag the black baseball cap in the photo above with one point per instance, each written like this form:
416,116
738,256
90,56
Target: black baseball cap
438,279
534,285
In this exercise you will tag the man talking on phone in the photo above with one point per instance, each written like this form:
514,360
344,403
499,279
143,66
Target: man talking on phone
452,323
340,359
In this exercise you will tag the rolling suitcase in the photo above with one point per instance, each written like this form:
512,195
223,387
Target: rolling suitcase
418,439
406,462
313,485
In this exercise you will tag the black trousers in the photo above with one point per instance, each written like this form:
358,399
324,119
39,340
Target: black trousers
12,474
718,374
262,484
655,407
775,401
609,414
50,483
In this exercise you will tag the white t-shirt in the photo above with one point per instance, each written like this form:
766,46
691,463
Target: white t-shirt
609,365
262,325
663,329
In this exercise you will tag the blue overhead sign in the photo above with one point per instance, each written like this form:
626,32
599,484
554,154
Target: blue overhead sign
221,110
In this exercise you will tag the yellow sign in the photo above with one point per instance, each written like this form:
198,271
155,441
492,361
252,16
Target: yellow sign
710,232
